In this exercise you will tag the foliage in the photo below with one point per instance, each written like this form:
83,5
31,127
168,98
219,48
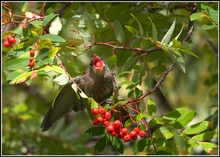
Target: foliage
140,41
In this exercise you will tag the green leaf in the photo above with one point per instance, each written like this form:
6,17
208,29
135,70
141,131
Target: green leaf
130,63
124,73
155,121
45,61
48,18
164,133
141,31
173,115
42,54
111,62
14,74
132,30
206,136
53,52
178,59
100,144
126,82
36,23
61,79
208,146
196,16
95,131
208,27
142,145
180,140
24,7
53,38
16,63
117,144
188,52
184,119
166,39
151,107
119,32
149,81
140,116
197,128
21,78
154,30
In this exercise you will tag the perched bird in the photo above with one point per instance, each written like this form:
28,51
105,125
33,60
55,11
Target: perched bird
97,83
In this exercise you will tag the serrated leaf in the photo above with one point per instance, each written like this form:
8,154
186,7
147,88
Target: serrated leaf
166,39
141,145
48,18
184,119
205,136
132,30
53,38
100,144
45,61
95,131
42,54
154,30
151,107
16,63
118,30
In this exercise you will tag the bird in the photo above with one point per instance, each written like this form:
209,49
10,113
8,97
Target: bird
97,83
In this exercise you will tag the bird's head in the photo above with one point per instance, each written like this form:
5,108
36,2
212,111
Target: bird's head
97,66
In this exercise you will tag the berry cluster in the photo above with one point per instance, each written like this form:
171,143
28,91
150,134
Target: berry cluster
10,40
115,128
31,60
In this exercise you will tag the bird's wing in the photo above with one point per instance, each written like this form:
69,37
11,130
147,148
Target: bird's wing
66,101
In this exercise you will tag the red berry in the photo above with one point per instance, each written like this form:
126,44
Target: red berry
102,111
110,128
94,111
117,124
127,138
108,115
11,40
9,36
32,52
7,43
137,130
120,135
32,63
106,123
133,135
100,119
124,131
31,59
142,133
117,129
113,133
95,122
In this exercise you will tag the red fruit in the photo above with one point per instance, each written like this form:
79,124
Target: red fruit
142,133
127,138
106,123
117,124
95,122
124,131
9,36
120,135
100,119
133,135
117,129
98,64
110,129
32,52
94,111
102,111
31,59
31,63
113,133
108,115
11,40
7,43
137,130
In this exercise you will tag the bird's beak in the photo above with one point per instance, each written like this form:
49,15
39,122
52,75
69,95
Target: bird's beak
98,63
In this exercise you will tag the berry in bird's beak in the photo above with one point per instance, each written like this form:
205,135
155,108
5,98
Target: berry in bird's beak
97,62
